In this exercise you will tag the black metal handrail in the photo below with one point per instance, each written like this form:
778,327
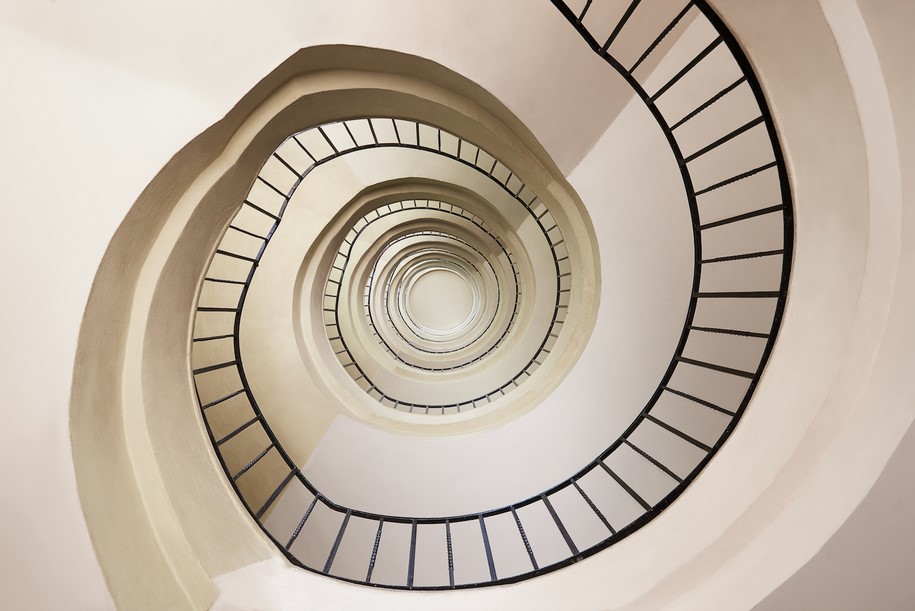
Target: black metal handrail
588,484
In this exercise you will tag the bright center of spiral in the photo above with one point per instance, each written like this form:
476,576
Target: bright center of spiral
440,300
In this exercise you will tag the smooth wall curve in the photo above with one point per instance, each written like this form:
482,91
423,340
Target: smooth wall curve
167,477
728,547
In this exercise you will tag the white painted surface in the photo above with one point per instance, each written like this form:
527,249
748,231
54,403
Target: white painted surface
440,300
94,80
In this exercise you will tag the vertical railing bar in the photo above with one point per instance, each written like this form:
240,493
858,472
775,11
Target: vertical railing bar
714,367
225,281
748,255
351,137
679,433
489,560
412,562
253,462
321,129
527,544
336,546
625,486
619,26
302,146
661,36
709,102
450,553
214,309
246,232
653,461
737,332
726,138
275,494
742,217
738,294
272,186
372,129
237,431
301,524
368,575
235,255
221,399
733,179
692,64
285,163
559,525
261,210
694,399
594,507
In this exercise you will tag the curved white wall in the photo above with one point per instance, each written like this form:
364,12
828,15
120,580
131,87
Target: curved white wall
105,94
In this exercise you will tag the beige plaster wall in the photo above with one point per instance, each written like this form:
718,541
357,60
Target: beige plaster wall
93,81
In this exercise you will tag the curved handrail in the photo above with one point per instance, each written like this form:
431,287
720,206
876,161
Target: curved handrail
601,471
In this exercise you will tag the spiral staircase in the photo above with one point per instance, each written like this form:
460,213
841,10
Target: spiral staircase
577,304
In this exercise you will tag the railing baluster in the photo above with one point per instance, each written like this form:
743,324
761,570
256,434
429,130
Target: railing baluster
527,544
594,508
619,26
661,37
679,433
209,368
738,294
450,553
235,255
729,370
261,210
285,163
221,399
709,102
273,496
321,129
238,430
727,137
653,461
635,495
307,152
368,574
734,179
695,399
412,561
350,134
246,232
253,462
559,525
692,64
212,338
742,217
272,186
301,524
729,331
336,546
749,255
489,560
